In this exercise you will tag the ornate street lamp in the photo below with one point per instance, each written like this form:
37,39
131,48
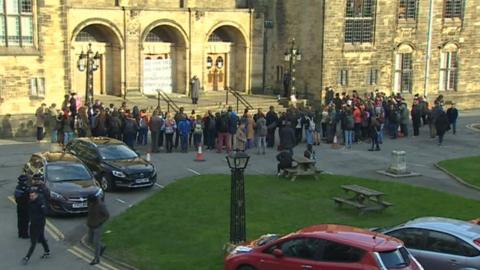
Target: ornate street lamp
88,62
292,56
237,161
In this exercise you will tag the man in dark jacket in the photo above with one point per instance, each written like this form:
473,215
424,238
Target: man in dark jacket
97,215
441,125
285,160
272,120
22,198
452,114
37,209
287,138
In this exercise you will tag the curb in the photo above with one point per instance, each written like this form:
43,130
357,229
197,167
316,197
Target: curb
110,258
458,179
473,127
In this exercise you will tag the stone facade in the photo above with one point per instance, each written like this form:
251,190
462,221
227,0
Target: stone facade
186,31
325,53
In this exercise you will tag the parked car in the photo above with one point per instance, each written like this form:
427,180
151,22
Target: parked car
68,180
441,243
332,247
113,163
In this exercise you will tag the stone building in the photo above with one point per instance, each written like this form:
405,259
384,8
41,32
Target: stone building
429,47
140,46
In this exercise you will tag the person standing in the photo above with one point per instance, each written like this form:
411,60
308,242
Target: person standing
52,122
287,138
130,130
348,127
441,125
195,89
178,116
240,138
73,104
261,133
184,128
272,122
404,119
452,114
416,114
40,123
169,127
97,215
374,130
37,209
21,198
155,126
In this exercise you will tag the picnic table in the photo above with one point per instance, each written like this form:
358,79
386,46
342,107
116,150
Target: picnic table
305,167
362,198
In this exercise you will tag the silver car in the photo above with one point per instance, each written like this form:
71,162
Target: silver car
441,243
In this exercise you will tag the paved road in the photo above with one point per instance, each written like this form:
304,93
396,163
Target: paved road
422,153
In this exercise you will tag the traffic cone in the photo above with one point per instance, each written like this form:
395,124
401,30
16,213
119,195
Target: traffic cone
147,157
199,156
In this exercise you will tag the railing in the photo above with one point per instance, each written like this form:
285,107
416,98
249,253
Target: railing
239,98
170,103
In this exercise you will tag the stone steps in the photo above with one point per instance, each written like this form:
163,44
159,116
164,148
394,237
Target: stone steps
209,101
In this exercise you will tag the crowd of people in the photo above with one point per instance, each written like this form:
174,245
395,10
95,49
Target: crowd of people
344,119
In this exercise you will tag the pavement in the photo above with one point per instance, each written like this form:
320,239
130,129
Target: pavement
64,233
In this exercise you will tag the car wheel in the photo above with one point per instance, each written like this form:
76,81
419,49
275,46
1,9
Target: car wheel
246,267
105,183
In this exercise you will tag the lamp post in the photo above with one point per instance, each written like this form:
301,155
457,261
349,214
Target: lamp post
88,62
292,56
237,161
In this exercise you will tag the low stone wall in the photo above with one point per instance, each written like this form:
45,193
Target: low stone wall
17,126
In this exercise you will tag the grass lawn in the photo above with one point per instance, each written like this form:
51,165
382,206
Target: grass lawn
185,225
467,169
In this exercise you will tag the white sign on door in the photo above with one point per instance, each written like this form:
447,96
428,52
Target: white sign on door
157,75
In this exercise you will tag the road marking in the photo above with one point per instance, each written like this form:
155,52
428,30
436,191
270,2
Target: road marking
85,258
54,232
472,128
158,185
55,229
86,254
121,201
193,171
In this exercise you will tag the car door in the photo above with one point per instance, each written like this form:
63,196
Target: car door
91,158
414,239
298,254
443,251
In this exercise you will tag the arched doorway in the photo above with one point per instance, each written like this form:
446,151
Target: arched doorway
108,77
226,60
164,60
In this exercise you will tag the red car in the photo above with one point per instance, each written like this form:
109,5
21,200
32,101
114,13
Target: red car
323,247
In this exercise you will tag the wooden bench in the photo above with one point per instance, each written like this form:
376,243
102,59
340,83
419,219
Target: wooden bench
305,167
363,198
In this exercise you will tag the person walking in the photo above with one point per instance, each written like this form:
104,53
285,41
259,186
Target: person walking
37,209
195,89
97,216
452,114
40,123
22,198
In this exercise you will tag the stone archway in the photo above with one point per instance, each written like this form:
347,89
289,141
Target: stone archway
104,40
164,60
225,61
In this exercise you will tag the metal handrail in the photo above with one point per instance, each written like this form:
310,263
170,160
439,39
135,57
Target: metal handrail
168,100
239,98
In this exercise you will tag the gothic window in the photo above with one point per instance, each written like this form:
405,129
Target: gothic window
16,23
360,22
404,69
453,8
449,68
407,9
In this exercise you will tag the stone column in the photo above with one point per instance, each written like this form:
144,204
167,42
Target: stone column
399,163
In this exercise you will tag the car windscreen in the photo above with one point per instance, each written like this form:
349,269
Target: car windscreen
116,152
67,172
394,259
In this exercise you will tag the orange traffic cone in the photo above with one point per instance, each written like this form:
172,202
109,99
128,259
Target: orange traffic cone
199,156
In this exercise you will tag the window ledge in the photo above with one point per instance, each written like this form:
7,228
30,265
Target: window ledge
14,51
452,22
358,47
407,23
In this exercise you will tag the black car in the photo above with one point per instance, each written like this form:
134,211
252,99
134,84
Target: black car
67,179
113,163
